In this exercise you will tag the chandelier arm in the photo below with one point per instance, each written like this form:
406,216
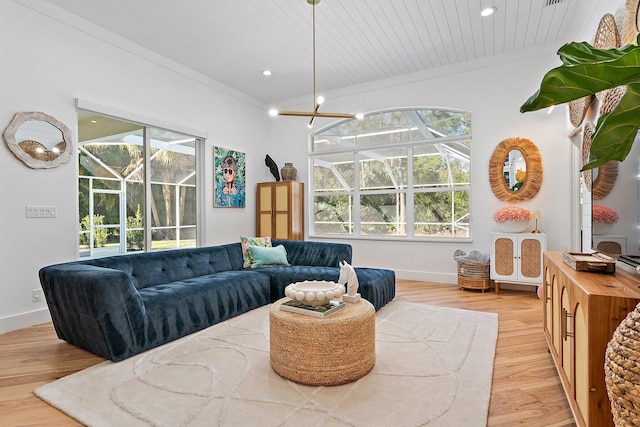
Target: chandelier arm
317,114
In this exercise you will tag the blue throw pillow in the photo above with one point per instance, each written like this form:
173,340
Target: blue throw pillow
263,256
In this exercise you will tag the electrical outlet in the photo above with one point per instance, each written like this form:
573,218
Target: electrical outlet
36,295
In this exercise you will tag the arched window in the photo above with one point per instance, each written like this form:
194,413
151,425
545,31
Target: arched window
401,174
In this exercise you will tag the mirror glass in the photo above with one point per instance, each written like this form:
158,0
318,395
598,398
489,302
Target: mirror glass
515,170
615,211
39,140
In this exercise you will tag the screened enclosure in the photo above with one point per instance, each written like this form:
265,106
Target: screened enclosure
396,174
136,187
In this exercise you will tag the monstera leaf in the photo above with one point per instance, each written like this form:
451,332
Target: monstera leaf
586,70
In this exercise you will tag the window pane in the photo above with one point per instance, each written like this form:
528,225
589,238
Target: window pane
333,215
173,166
441,165
442,214
383,214
446,123
383,169
333,173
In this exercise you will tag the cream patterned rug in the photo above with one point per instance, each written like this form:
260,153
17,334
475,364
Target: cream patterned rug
433,367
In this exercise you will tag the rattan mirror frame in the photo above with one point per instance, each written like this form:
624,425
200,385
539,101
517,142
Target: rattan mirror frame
533,180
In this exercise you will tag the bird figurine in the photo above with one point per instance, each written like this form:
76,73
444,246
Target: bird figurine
272,167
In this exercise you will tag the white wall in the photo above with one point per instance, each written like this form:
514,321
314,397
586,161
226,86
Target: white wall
46,65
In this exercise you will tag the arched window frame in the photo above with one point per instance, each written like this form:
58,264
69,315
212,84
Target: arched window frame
403,191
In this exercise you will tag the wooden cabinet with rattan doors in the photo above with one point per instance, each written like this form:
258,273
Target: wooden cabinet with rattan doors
581,311
280,210
517,258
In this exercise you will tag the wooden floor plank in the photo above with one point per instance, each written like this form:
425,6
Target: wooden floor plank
526,390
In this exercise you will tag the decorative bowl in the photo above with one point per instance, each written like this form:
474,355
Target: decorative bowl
314,292
513,226
601,228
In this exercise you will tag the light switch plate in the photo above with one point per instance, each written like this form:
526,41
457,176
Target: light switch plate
40,211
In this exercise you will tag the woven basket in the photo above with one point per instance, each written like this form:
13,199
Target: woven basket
578,109
474,275
607,37
622,371
611,99
587,133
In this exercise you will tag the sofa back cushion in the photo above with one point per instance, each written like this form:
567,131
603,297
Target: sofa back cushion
155,268
325,254
234,251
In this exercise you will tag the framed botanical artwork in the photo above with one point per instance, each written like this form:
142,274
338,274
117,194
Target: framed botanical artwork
228,178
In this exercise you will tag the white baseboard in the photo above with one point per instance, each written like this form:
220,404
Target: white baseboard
452,278
427,276
24,320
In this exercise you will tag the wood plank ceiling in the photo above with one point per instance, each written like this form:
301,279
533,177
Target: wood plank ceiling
358,41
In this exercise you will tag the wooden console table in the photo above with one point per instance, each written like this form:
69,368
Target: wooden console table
581,312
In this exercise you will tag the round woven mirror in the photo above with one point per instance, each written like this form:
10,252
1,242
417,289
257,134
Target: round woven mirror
527,186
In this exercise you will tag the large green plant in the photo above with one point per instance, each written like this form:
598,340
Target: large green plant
586,70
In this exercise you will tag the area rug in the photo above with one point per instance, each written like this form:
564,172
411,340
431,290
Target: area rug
433,367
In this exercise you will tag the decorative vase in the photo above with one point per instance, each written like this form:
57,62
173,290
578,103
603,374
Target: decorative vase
601,228
513,226
622,370
288,172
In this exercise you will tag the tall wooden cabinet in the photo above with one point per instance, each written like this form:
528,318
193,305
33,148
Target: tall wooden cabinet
280,210
517,258
581,312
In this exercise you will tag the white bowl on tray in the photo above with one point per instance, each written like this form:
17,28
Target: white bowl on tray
314,292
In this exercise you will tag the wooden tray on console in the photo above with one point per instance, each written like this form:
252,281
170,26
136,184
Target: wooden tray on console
595,262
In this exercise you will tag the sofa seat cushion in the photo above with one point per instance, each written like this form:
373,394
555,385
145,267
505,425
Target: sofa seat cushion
376,285
175,309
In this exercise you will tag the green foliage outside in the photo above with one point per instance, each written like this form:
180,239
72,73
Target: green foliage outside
135,231
440,180
111,168
99,234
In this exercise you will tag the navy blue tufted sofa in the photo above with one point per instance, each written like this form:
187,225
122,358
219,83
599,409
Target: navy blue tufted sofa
123,305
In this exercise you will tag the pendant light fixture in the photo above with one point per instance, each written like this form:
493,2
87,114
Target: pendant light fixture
317,100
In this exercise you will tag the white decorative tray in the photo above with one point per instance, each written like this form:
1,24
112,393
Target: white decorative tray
314,292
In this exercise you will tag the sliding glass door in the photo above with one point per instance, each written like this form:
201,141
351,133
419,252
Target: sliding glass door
136,186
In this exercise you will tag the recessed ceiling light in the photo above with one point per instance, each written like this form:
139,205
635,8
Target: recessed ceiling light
488,11
266,72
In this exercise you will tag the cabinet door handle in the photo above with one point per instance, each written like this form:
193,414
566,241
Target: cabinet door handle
547,291
564,323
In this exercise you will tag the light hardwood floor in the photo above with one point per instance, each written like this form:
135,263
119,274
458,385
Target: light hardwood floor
526,389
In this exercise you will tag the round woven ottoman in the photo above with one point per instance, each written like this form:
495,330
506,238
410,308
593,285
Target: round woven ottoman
622,371
323,351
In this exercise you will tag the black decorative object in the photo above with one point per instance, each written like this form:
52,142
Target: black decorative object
272,167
